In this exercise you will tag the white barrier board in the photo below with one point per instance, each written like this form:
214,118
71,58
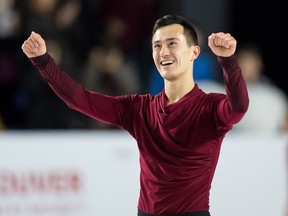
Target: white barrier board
91,173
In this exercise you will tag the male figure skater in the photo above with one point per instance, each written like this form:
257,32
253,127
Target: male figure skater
180,130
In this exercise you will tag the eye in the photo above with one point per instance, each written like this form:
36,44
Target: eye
156,46
172,43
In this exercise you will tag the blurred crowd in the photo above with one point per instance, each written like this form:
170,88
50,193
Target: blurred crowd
106,46
102,44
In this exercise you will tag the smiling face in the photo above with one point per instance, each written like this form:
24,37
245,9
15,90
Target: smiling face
171,53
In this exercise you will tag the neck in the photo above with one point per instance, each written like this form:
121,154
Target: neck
175,91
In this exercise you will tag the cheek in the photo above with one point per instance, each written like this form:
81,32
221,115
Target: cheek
155,57
185,57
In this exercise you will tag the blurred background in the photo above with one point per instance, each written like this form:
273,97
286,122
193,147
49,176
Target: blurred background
106,46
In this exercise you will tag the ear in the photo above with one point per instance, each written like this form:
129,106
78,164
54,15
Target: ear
195,52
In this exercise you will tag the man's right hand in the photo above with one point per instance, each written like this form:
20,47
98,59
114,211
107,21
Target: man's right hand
34,46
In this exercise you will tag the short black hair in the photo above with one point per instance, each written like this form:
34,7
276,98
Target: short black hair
189,30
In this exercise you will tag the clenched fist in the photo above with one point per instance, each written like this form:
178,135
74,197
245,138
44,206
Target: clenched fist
34,46
222,44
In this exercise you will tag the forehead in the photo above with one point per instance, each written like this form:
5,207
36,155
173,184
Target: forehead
168,32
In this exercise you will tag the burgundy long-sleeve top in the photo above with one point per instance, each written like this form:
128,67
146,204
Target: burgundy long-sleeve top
179,144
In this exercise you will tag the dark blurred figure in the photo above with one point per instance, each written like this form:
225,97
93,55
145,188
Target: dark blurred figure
108,69
134,33
2,126
13,97
60,23
72,32
268,103
109,72
137,28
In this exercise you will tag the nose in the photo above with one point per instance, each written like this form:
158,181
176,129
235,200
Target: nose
164,50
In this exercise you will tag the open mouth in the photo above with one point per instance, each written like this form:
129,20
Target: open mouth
166,62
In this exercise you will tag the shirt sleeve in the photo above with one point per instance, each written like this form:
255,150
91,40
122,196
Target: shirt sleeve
233,108
76,96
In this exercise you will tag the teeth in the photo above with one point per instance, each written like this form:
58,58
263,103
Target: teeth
167,62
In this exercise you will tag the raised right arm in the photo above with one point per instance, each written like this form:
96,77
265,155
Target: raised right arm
101,107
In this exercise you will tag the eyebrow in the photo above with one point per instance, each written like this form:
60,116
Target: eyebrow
168,39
